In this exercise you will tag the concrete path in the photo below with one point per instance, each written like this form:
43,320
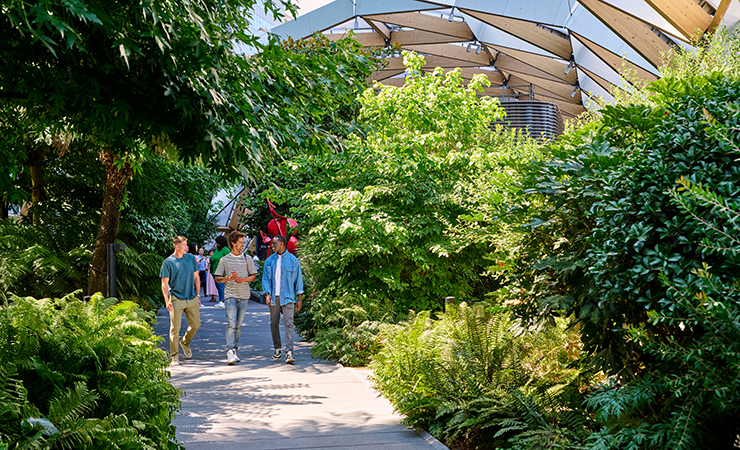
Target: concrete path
262,404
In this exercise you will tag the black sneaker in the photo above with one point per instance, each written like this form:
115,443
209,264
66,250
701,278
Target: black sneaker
277,355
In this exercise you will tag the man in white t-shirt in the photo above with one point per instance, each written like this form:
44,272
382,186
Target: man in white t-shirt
241,270
282,281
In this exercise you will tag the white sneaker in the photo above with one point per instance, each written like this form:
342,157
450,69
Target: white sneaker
220,305
236,357
277,355
231,357
289,357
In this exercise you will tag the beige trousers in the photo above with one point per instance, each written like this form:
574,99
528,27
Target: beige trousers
191,308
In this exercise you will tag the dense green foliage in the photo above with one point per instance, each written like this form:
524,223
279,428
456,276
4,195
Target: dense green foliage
93,370
383,221
468,380
51,259
648,273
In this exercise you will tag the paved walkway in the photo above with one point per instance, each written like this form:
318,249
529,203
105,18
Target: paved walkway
261,404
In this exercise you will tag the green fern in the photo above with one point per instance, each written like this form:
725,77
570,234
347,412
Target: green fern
94,370
469,380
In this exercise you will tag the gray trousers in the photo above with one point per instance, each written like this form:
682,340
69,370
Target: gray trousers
288,311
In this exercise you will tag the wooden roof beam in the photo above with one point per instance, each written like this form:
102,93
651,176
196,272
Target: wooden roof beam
379,28
632,31
718,16
538,63
420,21
527,31
617,63
686,15
431,62
493,76
365,39
416,37
559,89
452,51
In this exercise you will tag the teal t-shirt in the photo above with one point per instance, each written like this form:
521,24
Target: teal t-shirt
181,272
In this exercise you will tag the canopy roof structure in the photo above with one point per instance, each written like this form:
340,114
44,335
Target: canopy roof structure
561,51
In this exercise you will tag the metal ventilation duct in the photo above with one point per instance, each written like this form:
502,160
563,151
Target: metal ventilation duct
541,120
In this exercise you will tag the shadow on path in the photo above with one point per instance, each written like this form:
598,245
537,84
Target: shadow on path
263,404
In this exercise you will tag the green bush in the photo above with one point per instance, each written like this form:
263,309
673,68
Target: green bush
382,219
688,397
469,381
649,275
94,371
350,346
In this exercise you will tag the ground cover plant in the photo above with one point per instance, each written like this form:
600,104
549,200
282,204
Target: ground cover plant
471,382
83,376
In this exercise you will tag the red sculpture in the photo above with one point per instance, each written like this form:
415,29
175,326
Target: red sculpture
279,226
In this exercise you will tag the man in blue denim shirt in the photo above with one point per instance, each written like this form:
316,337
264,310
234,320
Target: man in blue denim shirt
283,282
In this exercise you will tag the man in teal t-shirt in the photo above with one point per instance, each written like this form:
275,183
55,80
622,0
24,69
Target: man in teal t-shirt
180,287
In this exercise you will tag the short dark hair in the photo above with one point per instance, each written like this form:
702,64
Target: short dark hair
221,242
235,236
280,238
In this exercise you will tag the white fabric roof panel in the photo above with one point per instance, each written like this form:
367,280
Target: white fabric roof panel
535,52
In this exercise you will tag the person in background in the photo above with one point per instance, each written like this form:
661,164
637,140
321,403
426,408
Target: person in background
222,246
193,250
180,287
210,283
202,263
236,270
282,282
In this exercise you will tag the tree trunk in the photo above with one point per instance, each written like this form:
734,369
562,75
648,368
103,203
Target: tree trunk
36,166
115,186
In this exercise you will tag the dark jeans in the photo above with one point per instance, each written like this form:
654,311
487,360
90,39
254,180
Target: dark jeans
220,287
203,281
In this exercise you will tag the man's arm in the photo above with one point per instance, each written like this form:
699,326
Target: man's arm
166,293
299,288
219,275
267,282
196,276
248,279
250,269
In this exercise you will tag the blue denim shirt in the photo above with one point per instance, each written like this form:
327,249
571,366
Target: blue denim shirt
291,278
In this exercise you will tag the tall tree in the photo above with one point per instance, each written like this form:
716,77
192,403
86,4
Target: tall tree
131,75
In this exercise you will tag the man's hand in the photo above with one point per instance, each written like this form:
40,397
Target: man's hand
269,300
299,303
168,303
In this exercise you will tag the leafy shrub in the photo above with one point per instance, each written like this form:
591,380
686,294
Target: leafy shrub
688,399
468,380
649,274
34,264
350,346
94,371
380,221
